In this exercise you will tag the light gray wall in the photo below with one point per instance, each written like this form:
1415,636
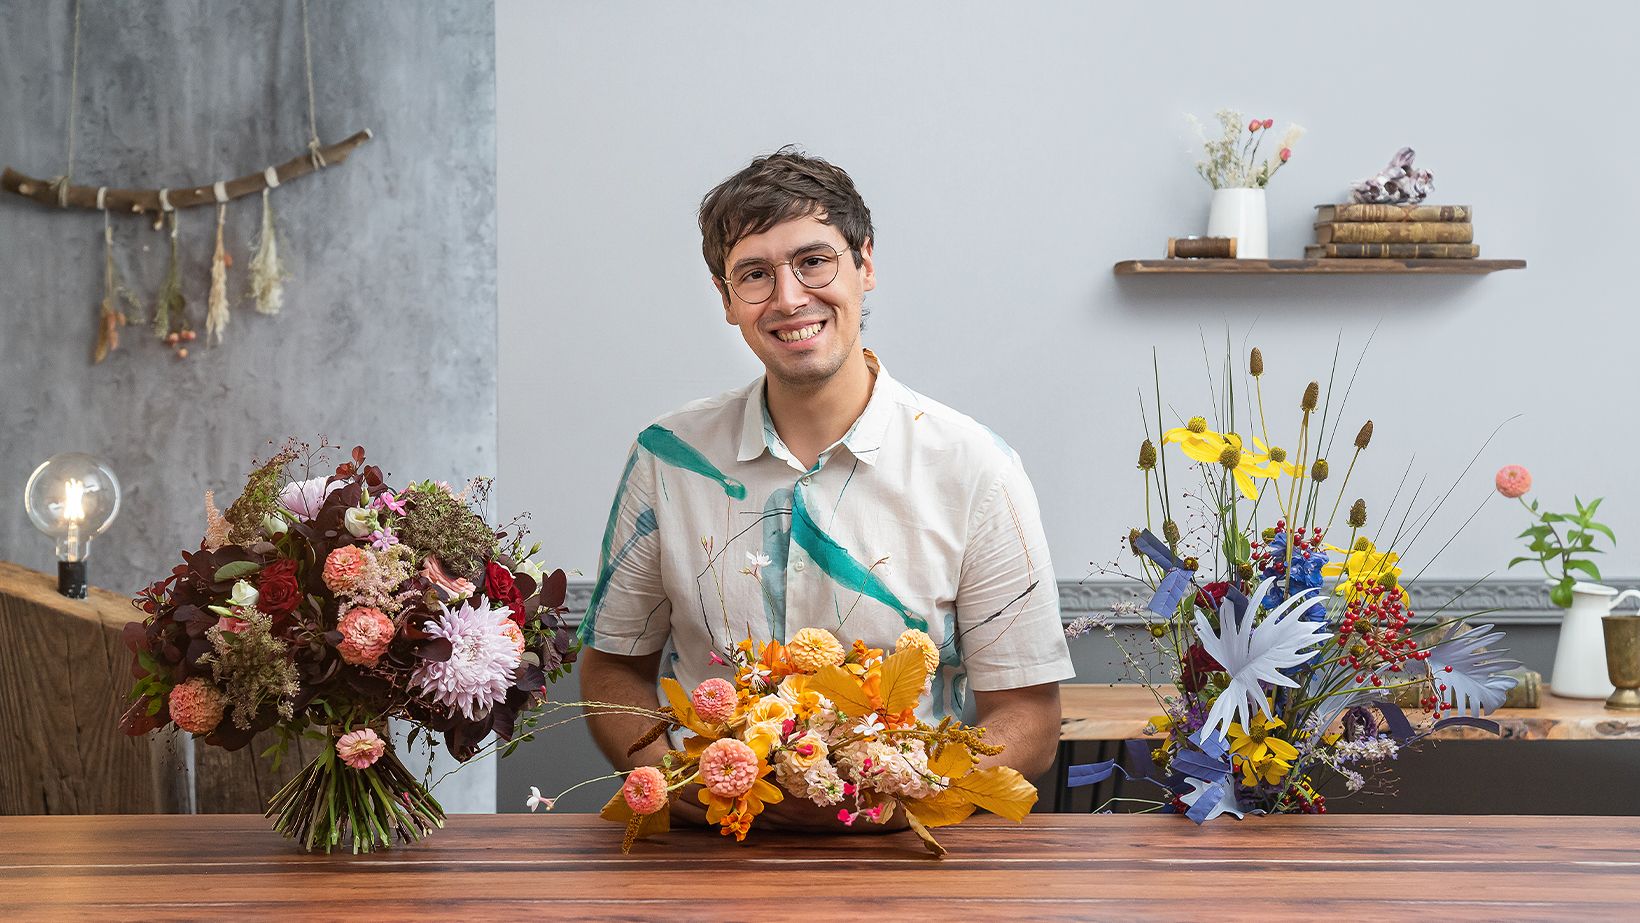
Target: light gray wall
1011,153
388,333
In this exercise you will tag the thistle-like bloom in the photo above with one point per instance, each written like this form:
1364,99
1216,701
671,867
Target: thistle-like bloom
482,659
1318,471
1255,363
1358,514
1312,395
1364,437
1147,455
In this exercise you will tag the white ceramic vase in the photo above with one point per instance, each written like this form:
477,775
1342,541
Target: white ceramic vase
1580,654
1240,213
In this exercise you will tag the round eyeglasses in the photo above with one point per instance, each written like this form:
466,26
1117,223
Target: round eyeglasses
814,267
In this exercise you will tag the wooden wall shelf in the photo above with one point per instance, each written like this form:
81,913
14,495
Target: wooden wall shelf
1314,267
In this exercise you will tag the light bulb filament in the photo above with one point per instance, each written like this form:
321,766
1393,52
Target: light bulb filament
74,500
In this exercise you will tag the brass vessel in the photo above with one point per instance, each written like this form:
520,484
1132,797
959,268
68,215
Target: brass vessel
1623,659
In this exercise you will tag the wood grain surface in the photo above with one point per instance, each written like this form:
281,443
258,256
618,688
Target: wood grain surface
1050,867
1120,712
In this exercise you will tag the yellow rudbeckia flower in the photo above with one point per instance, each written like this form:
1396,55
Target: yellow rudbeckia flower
1362,567
1270,770
1210,448
1258,742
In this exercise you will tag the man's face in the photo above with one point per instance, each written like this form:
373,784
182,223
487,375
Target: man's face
771,328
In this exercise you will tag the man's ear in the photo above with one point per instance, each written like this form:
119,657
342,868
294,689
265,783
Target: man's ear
723,292
867,266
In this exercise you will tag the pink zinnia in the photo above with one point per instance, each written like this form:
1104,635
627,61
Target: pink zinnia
728,767
645,790
365,635
196,706
361,749
714,699
1513,481
344,568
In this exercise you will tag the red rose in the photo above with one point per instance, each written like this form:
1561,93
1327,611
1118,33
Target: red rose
1197,664
1209,596
277,592
499,587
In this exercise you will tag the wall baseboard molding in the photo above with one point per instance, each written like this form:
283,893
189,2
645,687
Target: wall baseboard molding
1512,601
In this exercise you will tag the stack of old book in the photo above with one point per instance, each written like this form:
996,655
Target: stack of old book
1362,230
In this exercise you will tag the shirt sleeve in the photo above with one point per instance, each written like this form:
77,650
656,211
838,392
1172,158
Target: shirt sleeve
1009,630
629,613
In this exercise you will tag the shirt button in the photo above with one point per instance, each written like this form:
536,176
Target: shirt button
797,565
808,479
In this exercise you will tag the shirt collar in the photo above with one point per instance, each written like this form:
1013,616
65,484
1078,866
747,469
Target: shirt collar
864,439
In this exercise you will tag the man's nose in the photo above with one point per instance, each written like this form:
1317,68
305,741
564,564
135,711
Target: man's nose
789,294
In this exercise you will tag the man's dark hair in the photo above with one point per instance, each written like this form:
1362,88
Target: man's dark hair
779,187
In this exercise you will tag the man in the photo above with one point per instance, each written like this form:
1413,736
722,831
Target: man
825,494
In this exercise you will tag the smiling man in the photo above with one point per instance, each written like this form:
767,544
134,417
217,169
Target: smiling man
824,494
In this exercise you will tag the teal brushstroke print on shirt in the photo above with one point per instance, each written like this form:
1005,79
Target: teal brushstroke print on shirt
777,536
615,508
645,524
679,454
949,685
841,566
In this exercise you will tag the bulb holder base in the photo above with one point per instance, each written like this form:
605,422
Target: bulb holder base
71,579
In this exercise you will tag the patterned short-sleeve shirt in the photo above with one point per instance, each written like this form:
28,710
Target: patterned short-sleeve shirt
919,517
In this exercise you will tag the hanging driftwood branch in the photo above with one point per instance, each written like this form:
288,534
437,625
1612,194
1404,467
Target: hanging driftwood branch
147,200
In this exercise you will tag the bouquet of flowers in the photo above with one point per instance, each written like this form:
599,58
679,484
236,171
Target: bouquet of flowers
323,606
1287,653
831,724
1230,161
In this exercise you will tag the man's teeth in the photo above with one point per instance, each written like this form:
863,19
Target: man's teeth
793,336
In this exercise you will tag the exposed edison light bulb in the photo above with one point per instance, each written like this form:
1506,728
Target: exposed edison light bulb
73,498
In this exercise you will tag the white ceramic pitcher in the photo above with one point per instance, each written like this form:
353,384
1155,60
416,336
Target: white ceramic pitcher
1580,655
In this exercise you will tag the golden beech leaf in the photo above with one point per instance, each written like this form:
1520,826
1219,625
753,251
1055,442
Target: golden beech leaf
904,674
929,842
843,689
942,810
952,761
684,710
1000,790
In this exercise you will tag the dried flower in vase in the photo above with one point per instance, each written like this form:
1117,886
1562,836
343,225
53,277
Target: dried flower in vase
1231,160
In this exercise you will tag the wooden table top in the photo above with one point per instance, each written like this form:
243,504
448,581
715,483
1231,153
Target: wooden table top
513,866
1120,712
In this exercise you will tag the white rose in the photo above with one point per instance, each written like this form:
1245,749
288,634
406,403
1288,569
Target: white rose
532,569
244,595
274,525
359,521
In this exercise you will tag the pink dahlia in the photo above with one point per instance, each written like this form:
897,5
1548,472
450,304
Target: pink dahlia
482,659
365,634
361,749
728,767
344,568
645,790
196,706
1513,481
714,699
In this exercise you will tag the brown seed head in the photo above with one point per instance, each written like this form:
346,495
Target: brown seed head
1245,571
1133,541
1147,455
1255,363
1387,580
1278,454
1192,564
1364,436
1312,395
1196,424
1358,514
1170,531
1362,544
1318,471
1230,457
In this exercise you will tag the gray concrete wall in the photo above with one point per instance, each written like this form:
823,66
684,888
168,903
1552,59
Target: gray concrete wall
388,333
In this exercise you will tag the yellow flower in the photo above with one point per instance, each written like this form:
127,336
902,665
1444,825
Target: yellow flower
1261,458
770,708
814,648
1362,567
1269,769
1257,743
911,637
807,750
1209,448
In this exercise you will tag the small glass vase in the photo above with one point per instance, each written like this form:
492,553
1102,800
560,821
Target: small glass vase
331,805
1241,213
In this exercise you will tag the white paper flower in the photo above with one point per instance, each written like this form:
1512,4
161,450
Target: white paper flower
1257,653
1475,678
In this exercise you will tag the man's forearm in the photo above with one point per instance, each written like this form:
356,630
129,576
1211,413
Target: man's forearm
1023,721
621,680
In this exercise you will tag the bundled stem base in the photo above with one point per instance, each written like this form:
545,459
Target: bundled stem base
330,803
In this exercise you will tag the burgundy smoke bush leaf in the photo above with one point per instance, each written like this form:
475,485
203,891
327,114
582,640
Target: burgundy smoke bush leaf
437,650
555,588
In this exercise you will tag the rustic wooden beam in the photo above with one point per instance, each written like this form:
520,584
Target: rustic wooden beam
138,201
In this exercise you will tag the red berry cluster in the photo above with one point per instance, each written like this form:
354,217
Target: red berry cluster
1302,797
1375,631
1269,560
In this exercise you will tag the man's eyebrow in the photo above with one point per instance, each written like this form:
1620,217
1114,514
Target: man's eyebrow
758,259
